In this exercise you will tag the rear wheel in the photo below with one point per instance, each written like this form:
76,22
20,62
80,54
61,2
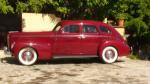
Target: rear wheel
109,54
27,56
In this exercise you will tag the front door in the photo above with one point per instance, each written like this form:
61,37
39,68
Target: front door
68,40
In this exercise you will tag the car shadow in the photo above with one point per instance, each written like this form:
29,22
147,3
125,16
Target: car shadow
9,60
71,61
12,60
75,61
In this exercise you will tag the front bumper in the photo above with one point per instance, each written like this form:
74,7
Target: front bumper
6,50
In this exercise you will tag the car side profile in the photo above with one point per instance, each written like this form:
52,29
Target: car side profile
73,38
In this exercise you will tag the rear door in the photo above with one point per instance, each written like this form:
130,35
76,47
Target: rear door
105,33
89,39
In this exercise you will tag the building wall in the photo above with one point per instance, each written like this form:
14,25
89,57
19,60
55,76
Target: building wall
121,30
38,22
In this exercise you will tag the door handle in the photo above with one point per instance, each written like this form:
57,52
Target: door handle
82,36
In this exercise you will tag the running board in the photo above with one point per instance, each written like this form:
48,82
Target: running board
75,56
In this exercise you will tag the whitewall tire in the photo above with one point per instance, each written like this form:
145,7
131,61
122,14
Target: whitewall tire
27,56
109,55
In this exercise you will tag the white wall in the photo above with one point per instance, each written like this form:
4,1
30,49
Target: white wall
38,22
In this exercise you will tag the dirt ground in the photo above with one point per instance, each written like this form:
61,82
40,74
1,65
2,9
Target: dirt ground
74,71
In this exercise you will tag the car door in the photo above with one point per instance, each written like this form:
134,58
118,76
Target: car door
105,33
68,40
90,39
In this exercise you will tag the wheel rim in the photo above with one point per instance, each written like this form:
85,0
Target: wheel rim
109,55
27,56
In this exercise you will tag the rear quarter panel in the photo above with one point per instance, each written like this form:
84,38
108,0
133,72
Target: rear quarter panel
115,40
122,48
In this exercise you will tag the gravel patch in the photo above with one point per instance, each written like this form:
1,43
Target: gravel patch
74,71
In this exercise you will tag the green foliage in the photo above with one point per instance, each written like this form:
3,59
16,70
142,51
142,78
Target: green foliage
136,27
66,8
119,9
63,10
21,7
82,9
134,57
130,8
121,16
35,5
137,15
145,38
96,3
31,5
5,7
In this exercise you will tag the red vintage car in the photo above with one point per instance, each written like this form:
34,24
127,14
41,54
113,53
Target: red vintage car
70,38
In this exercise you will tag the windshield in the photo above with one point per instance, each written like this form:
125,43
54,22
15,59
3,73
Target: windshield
57,27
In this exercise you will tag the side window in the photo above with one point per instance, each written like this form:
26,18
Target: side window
89,29
72,29
104,29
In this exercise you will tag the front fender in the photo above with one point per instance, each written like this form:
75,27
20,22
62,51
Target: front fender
43,48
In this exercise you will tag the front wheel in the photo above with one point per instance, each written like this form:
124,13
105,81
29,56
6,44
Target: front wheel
109,55
27,56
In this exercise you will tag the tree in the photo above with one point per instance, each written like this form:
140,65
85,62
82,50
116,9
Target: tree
137,29
85,9
67,9
137,14
5,7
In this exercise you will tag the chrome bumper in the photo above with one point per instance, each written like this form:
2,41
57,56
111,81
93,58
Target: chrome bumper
6,50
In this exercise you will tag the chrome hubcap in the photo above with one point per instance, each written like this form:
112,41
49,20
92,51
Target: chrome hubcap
27,56
109,54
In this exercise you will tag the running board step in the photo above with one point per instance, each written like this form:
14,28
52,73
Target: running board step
76,56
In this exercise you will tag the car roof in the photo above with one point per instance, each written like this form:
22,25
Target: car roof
82,21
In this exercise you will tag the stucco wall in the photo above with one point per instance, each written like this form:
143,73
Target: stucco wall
121,31
38,22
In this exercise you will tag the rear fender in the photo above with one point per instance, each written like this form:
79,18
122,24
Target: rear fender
106,44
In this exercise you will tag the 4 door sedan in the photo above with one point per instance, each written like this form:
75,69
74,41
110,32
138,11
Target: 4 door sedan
70,38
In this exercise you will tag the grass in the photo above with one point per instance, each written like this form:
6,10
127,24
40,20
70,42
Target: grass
134,57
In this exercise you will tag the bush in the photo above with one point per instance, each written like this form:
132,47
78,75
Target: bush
136,28
135,57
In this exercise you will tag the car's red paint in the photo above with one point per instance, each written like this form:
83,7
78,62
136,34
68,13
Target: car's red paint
49,44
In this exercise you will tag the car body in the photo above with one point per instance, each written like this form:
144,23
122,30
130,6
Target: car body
74,38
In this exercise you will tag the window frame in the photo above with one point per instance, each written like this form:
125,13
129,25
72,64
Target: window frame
90,25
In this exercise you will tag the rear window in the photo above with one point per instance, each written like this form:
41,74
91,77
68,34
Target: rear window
89,29
104,29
